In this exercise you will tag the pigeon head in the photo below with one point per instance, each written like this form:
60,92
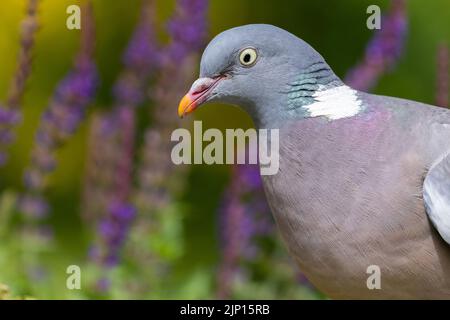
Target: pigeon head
265,70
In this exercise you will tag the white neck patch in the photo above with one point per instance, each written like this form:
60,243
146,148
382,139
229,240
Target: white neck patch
335,103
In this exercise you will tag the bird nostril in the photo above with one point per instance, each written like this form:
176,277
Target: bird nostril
204,84
201,89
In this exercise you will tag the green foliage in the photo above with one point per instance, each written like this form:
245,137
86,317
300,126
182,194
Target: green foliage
4,292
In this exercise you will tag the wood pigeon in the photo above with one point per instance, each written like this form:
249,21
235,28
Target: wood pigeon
364,180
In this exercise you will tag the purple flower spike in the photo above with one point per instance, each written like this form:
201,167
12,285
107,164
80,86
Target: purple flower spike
112,137
383,51
109,179
187,29
29,28
9,116
10,112
245,216
64,114
109,170
34,206
113,230
103,285
141,57
142,53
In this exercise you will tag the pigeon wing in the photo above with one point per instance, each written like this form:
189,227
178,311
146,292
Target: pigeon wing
436,194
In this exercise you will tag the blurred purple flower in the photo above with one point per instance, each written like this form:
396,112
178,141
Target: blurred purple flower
8,116
187,29
443,81
111,149
112,231
140,59
34,206
245,217
61,118
100,178
103,285
383,50
109,174
37,273
29,27
142,53
9,112
109,171
156,171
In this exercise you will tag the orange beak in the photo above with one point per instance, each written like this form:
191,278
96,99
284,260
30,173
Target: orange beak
186,105
199,94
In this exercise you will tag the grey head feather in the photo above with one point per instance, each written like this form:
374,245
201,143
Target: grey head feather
287,74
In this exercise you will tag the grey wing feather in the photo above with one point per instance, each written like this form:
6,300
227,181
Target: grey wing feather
436,193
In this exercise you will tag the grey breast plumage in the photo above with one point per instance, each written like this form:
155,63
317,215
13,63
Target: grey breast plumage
350,195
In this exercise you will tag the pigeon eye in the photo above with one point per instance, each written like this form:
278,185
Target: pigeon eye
248,57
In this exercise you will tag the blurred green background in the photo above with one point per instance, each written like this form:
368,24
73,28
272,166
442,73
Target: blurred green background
337,29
